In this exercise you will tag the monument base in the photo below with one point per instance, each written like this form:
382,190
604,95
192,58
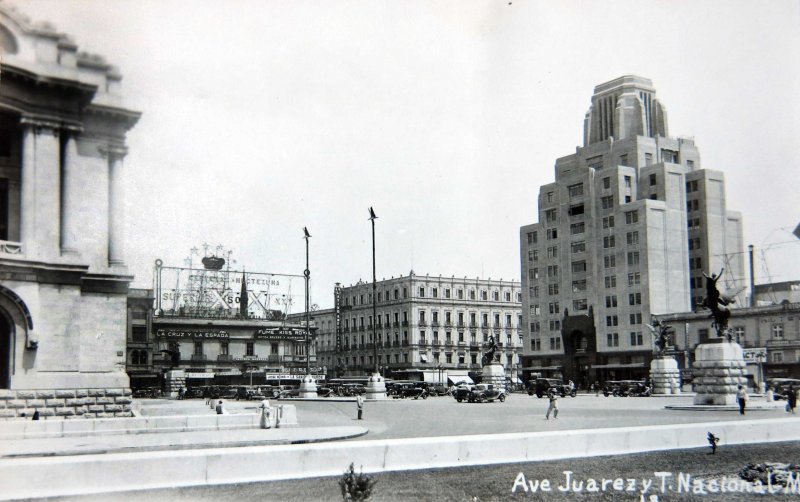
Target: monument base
718,369
376,388
494,374
175,380
665,376
308,387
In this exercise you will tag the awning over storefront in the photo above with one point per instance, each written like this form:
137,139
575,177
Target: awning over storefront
458,379
618,366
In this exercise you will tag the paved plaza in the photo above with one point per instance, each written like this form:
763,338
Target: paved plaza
443,416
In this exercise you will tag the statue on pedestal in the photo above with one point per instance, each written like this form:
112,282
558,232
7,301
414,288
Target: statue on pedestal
489,351
718,303
661,331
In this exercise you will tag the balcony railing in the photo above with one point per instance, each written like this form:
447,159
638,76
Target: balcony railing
198,357
405,323
10,247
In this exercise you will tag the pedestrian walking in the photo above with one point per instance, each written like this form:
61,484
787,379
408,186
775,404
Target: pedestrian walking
360,406
220,410
553,396
791,399
741,398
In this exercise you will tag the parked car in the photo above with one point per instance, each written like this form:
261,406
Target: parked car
324,392
780,387
404,390
193,392
462,392
290,392
353,389
483,393
248,393
439,390
542,385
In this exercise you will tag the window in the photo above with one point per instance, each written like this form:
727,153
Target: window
496,296
405,292
632,238
611,281
631,217
536,344
223,348
552,233
507,296
623,159
533,273
422,292
552,289
608,222
532,237
273,348
555,325
550,215
447,293
653,179
535,310
139,333
533,255
579,266
691,186
461,291
627,199
579,286
633,257
435,315
379,297
552,271
690,164
777,357
549,196
636,338
648,159
777,331
634,299
578,247
606,182
471,294
612,320
198,348
555,343
609,241
669,156
576,210
250,349
484,296
508,320
575,190
634,278
435,292
552,252
533,292
535,327
552,308
396,294
612,339
627,181
421,317
577,228
609,261
580,304
636,318
607,202
738,334
472,317
611,301
595,162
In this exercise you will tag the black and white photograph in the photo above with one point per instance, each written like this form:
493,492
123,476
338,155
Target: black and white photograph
381,250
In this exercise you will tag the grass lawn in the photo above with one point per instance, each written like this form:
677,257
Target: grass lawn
488,483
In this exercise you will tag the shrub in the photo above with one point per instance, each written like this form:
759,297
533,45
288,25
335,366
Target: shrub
354,486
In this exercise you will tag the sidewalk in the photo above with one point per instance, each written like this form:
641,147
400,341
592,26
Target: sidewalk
126,443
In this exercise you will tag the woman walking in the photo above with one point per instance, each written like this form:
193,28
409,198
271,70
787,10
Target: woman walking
553,396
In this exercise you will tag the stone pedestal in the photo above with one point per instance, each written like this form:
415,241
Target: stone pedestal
665,376
718,370
376,388
176,380
308,387
494,374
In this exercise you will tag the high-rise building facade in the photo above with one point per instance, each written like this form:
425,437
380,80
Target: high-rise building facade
423,323
625,232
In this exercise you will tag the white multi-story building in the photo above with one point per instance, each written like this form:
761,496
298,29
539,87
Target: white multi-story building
422,323
625,232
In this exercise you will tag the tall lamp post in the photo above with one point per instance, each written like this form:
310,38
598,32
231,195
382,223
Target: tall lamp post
376,387
308,387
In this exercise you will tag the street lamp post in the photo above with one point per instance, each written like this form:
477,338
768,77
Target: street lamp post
308,387
376,387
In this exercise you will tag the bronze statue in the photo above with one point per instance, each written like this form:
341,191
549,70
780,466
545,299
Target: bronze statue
489,351
661,331
718,304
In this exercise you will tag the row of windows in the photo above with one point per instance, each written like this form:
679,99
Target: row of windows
555,344
613,320
366,299
448,318
612,339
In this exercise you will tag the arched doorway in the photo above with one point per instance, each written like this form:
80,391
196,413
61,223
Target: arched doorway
6,350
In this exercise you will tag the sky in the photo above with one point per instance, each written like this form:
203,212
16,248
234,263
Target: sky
260,118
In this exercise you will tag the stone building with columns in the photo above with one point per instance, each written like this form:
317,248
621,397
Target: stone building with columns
63,279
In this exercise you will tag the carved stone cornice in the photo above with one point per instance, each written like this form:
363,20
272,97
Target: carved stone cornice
113,151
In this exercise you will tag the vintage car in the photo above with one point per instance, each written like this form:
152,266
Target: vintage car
325,392
483,393
462,392
352,389
542,385
248,393
438,390
404,390
289,392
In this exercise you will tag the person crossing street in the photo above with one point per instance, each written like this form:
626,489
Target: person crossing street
553,396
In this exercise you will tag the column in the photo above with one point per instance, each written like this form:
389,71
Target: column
116,204
70,195
41,193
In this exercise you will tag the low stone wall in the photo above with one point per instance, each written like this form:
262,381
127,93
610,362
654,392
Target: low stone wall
65,403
